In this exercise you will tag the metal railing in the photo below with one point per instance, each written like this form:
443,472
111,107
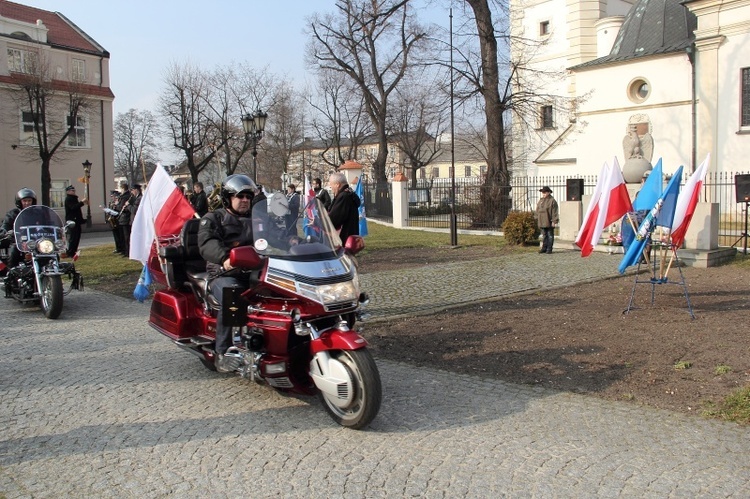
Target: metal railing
430,201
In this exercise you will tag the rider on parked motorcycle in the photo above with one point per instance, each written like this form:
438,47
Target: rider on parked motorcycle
24,198
219,232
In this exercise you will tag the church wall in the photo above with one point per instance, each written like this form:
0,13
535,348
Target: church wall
733,141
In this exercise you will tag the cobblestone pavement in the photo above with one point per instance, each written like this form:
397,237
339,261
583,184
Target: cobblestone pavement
97,404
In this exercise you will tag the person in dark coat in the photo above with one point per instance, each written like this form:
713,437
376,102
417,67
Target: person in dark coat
344,210
24,198
123,220
219,232
547,217
73,213
199,199
321,193
293,199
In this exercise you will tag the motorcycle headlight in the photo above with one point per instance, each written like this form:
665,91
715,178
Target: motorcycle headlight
60,244
330,293
45,246
30,245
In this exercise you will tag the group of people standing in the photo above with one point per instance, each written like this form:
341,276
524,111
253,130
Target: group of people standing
123,206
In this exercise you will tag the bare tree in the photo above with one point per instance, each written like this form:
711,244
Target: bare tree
371,41
418,118
135,143
184,102
287,129
54,109
339,122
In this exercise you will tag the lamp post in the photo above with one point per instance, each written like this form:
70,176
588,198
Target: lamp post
254,124
87,177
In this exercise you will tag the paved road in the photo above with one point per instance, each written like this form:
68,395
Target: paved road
96,404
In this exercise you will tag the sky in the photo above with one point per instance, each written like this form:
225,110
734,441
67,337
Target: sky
144,37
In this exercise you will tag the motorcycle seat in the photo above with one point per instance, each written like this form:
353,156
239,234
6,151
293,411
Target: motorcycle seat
199,281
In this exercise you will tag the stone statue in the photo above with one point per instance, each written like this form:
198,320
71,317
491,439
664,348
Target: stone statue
637,149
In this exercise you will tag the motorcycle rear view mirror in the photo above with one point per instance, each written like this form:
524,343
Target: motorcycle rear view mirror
245,257
354,244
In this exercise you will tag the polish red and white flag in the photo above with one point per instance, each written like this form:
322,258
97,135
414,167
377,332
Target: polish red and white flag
609,203
162,212
686,202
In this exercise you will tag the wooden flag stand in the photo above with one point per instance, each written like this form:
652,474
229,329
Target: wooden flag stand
659,273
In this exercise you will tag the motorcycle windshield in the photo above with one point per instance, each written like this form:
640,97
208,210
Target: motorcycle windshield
35,223
308,236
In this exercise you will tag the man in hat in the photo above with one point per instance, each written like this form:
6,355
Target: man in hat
547,217
73,213
123,220
111,218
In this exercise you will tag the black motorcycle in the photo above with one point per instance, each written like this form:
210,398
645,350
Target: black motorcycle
39,235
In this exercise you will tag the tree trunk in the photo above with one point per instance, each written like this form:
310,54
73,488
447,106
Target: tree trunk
496,192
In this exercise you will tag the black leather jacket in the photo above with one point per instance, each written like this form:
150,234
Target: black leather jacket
219,232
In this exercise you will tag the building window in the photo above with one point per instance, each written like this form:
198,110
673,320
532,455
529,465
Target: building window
546,117
78,70
467,171
745,120
22,61
77,137
639,90
27,122
422,173
544,28
483,170
57,193
436,172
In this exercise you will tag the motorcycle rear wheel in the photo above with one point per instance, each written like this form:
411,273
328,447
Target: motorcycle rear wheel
52,296
368,391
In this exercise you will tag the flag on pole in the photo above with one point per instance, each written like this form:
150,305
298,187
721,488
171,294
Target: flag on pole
586,234
686,202
162,212
359,192
666,202
651,189
612,202
310,213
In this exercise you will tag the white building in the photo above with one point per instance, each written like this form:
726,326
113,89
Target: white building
658,79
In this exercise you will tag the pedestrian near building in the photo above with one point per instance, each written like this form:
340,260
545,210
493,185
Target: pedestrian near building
344,210
110,217
547,217
73,214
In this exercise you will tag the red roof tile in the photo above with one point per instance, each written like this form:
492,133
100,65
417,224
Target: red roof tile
62,32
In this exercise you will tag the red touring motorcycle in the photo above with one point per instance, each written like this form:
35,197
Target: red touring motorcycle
293,327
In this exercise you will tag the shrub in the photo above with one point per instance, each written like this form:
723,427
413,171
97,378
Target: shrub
520,227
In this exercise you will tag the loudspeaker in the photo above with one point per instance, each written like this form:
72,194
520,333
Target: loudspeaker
742,188
574,189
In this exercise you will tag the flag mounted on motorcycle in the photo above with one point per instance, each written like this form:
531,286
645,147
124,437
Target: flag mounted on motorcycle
162,212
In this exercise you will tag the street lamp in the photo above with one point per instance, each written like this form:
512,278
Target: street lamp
254,124
87,177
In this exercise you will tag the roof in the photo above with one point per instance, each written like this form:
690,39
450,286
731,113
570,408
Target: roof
651,27
62,32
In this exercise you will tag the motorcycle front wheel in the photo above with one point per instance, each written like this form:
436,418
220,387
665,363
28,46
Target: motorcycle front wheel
365,379
52,296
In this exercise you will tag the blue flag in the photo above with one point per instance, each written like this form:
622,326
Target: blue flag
651,189
141,291
666,202
362,218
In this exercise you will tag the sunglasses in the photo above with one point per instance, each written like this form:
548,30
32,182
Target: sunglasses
243,196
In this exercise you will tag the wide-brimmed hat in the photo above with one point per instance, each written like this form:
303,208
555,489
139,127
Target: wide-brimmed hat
545,189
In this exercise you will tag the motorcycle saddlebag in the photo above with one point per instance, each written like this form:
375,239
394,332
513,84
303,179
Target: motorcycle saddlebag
173,315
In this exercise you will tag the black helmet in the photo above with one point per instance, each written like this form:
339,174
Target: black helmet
25,193
234,184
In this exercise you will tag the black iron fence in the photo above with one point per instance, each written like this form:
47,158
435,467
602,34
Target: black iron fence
479,208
